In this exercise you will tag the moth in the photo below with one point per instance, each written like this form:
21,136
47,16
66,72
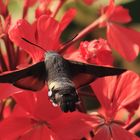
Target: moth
59,74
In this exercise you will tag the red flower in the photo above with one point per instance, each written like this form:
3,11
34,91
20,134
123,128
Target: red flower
116,93
94,52
116,13
45,32
34,118
126,41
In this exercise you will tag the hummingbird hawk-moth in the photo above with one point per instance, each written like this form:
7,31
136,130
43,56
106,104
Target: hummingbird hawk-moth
59,74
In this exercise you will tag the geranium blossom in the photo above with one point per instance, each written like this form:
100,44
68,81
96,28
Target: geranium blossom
94,52
125,40
35,118
115,93
45,32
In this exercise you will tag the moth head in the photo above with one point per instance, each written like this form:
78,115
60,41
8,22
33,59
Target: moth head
66,98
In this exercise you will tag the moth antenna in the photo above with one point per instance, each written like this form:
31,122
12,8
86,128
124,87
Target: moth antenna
33,44
66,44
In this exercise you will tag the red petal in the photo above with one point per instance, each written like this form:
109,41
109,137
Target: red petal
104,89
39,133
44,109
11,127
19,111
127,90
73,126
23,59
24,30
104,58
26,100
109,9
103,133
126,41
115,13
10,90
120,15
94,52
24,128
116,93
118,132
37,104
75,55
48,32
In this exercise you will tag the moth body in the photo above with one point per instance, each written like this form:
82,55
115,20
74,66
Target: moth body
62,89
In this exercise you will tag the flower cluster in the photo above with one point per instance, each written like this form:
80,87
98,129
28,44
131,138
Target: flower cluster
30,115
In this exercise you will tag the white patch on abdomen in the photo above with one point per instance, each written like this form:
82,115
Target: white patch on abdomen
59,84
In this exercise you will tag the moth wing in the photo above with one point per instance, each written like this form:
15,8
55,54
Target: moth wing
87,73
30,78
